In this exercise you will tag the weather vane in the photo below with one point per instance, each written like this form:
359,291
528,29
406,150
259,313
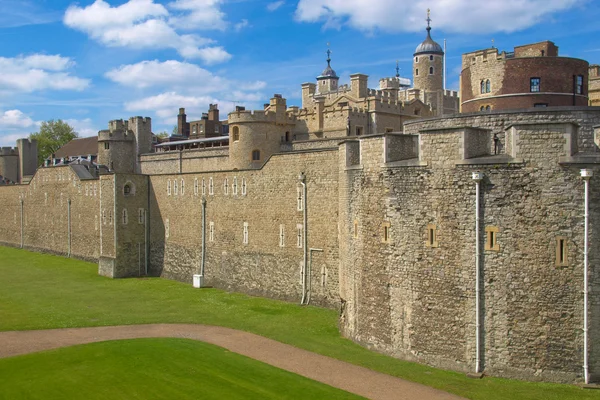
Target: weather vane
328,54
428,17
397,70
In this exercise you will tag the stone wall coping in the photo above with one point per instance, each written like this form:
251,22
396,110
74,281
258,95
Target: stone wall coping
454,128
348,141
490,160
580,159
543,123
532,110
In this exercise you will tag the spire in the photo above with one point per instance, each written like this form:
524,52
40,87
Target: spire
397,70
428,21
328,73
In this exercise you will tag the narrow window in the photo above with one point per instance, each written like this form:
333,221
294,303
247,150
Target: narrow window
103,217
416,59
87,190
385,232
245,238
579,84
417,72
236,133
299,235
203,187
300,199
359,130
431,236
355,232
226,186
211,187
140,216
235,186
430,70
562,259
95,189
482,87
211,231
255,155
195,186
430,58
169,187
491,242
124,216
281,235
175,187
106,145
110,217
167,229
243,186
182,187
534,84
488,86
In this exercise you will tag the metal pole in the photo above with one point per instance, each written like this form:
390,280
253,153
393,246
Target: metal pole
477,177
69,227
302,179
586,174
146,242
22,227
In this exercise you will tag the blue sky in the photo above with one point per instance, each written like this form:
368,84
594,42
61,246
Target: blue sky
88,62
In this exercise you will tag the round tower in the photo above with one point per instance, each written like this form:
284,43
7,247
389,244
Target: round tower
428,64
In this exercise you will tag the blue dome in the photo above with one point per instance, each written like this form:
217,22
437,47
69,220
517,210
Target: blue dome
328,73
429,46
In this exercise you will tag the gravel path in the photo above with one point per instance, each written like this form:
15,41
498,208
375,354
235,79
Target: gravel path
349,377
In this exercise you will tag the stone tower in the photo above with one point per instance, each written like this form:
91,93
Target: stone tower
428,64
328,80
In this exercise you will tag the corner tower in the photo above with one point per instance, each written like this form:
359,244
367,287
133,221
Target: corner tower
428,64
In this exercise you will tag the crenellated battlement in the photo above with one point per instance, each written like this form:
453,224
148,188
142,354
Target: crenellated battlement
248,116
142,120
9,151
115,135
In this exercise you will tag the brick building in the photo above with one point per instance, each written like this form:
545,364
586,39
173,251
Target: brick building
532,75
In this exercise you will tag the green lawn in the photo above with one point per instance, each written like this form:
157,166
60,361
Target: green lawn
40,291
126,369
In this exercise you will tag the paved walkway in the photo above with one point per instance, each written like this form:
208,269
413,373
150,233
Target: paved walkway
349,377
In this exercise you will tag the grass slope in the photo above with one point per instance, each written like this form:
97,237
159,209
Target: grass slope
39,291
152,369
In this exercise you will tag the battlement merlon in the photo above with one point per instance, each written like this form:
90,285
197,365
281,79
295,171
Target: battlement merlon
119,135
247,116
138,119
9,151
117,125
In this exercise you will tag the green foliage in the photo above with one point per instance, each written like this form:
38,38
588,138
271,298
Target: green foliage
51,136
39,291
174,131
162,135
152,369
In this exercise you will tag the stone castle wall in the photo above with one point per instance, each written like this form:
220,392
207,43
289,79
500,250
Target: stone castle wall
262,266
46,214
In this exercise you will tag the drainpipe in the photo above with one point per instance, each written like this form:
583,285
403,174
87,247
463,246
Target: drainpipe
69,222
302,179
22,227
477,177
309,285
146,242
586,174
203,260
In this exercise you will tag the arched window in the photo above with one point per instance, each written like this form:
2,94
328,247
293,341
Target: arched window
255,155
488,108
482,87
129,189
417,72
487,86
430,58
287,136
236,133
430,70
416,59
482,108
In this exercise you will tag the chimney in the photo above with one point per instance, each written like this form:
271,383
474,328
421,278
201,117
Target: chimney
181,123
213,112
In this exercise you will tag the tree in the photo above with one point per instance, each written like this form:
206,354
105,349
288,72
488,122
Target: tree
51,136
162,135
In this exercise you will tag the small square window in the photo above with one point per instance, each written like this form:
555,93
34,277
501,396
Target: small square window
491,238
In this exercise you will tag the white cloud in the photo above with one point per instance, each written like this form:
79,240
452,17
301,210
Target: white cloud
38,72
168,73
84,127
463,16
166,104
202,14
275,5
16,119
241,25
143,24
